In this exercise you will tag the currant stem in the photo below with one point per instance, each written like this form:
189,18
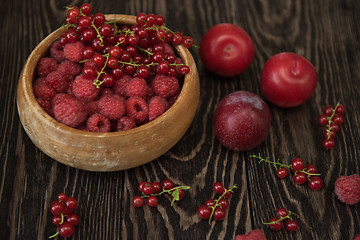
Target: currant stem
281,218
216,201
97,83
330,121
268,161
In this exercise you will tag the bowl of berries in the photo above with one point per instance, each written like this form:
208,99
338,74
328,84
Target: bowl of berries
108,92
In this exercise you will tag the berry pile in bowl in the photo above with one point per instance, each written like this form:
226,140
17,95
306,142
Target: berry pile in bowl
108,92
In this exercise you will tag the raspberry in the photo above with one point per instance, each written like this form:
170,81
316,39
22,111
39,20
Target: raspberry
137,108
173,98
60,97
93,107
70,111
256,234
357,237
347,189
43,90
137,87
73,51
46,65
112,107
165,86
45,104
98,123
58,81
57,51
84,89
157,106
168,49
125,123
71,68
120,85
106,91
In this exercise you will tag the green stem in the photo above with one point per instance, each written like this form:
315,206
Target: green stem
268,161
97,82
330,121
217,201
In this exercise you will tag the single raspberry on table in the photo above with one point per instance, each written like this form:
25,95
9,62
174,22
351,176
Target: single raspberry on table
157,106
165,86
347,189
58,80
112,106
84,89
70,111
137,108
137,87
43,90
74,51
256,234
119,86
57,51
71,68
357,237
125,123
46,65
98,123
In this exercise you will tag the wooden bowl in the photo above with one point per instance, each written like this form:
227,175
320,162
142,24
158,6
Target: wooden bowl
111,151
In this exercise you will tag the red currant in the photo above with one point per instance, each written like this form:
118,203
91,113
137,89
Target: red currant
152,201
297,164
282,172
329,134
315,183
187,41
338,119
56,220
66,229
157,187
167,184
141,19
71,203
57,208
141,185
85,8
291,225
323,120
340,109
218,187
204,212
219,214
224,203
73,218
138,201
329,143
275,225
310,168
300,178
282,212
147,189
329,110
228,193
61,197
210,203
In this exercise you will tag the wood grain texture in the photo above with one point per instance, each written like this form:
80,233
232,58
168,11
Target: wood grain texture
325,32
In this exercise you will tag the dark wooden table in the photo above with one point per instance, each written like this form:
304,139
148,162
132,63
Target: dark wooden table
325,31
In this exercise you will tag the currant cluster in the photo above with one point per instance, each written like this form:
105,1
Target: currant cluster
302,173
283,215
216,208
114,50
332,118
63,215
151,190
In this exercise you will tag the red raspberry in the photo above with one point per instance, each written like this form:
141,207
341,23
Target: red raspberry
58,80
125,123
120,85
70,111
57,51
106,91
73,51
347,189
165,86
357,237
84,89
43,90
46,65
93,107
98,123
112,107
137,87
137,108
157,106
45,104
168,49
173,98
60,97
256,234
71,68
